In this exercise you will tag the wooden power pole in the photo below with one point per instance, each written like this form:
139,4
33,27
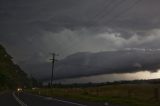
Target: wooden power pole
53,62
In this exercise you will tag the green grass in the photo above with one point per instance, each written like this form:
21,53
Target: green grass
131,95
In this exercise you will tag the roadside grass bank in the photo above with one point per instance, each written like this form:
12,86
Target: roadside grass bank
122,94
2,91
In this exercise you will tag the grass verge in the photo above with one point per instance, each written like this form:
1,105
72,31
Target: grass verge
129,95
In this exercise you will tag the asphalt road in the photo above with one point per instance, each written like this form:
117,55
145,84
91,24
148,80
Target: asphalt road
6,99
25,99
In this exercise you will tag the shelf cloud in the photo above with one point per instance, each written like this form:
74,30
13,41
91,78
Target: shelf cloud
102,36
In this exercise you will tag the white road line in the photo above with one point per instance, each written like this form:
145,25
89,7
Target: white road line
18,100
49,98
69,102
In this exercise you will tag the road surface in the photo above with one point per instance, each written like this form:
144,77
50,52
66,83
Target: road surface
25,99
6,99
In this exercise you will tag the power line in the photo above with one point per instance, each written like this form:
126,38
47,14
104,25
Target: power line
112,6
111,19
107,4
123,12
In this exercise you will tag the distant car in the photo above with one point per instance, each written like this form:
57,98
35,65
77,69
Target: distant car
19,90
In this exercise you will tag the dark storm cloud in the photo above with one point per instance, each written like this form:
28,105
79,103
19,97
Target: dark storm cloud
127,61
31,29
86,64
84,12
140,17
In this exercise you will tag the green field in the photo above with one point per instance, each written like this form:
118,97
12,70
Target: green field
125,94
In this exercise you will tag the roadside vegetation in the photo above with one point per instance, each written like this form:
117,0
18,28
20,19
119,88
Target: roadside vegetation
124,94
11,75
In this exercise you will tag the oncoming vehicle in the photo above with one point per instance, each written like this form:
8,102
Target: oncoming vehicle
19,90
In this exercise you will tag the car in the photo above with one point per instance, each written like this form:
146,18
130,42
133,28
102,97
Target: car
19,90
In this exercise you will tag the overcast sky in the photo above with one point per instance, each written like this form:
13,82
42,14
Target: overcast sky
80,31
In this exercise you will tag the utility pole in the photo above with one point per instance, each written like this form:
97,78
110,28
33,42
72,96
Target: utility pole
53,61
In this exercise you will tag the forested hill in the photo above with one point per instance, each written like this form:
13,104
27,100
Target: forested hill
11,75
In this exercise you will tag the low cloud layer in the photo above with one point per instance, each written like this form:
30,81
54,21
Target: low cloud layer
89,64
